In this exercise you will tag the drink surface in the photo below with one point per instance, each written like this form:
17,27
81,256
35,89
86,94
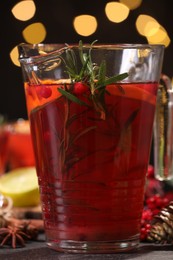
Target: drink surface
92,171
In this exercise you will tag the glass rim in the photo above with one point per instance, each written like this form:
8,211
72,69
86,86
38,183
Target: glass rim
47,49
100,45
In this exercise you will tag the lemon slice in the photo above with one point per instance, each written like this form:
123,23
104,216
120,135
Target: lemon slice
21,185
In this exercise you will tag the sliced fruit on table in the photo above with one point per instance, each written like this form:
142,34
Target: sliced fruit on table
21,185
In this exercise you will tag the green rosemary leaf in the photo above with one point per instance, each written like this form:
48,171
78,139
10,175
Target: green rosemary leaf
83,70
91,74
81,54
102,73
116,78
93,43
112,80
71,60
131,118
72,74
83,132
72,97
107,92
121,89
99,104
76,117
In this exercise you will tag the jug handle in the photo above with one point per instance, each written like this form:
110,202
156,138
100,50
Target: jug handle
163,131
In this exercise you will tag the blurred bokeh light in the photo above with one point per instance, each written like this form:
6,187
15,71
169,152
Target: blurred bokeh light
152,30
67,21
24,10
147,25
85,25
132,4
14,56
116,12
34,33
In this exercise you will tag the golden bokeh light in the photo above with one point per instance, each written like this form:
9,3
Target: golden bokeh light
14,55
151,28
34,33
85,25
166,42
160,37
24,10
146,25
131,4
116,12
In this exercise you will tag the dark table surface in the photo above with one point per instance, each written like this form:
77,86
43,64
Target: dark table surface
38,250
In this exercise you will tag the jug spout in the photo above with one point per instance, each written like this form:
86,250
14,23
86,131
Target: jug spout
38,60
163,131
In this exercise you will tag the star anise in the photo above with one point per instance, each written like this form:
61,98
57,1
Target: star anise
13,235
31,230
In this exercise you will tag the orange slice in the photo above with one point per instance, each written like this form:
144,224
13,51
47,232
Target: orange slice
132,92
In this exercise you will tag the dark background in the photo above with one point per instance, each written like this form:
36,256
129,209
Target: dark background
57,16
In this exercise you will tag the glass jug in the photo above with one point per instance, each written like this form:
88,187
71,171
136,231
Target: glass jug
91,110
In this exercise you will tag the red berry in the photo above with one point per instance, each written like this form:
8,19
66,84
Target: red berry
169,196
165,201
45,92
147,215
158,201
150,171
145,229
148,226
80,88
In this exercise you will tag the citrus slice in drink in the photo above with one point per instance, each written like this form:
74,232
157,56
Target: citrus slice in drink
134,91
21,185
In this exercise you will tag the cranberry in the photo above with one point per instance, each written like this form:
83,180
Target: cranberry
156,202
45,92
147,215
150,172
165,201
144,231
80,88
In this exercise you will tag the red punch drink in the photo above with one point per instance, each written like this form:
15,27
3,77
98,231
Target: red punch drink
92,171
91,135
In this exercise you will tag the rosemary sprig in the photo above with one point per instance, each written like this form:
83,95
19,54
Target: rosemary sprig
91,75
72,97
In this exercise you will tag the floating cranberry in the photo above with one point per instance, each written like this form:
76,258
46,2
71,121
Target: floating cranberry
45,92
80,88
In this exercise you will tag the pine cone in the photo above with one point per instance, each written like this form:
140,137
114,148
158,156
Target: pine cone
162,226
